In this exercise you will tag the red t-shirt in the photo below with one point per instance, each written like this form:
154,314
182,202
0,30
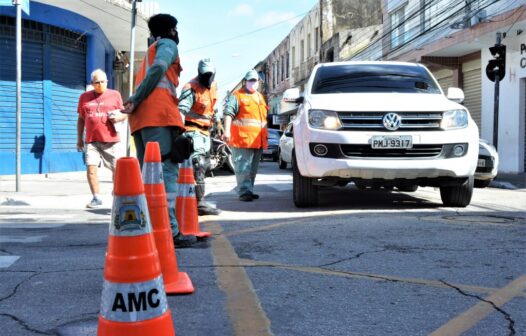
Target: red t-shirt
94,108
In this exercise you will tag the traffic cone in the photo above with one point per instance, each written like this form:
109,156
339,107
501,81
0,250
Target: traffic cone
186,202
175,282
133,298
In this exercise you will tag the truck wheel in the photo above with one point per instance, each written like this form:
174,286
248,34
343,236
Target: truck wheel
282,163
304,192
482,183
408,188
458,196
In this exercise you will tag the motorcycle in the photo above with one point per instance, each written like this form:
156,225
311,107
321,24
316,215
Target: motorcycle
219,156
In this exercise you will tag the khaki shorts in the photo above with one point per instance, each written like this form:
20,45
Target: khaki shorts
97,151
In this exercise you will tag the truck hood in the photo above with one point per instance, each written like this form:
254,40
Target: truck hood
381,102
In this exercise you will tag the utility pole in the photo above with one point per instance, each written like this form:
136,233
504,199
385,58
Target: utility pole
132,62
18,6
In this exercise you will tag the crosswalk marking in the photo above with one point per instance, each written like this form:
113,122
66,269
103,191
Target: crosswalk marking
6,261
21,239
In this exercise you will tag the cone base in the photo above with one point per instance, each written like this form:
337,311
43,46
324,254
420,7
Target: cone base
183,285
161,325
198,234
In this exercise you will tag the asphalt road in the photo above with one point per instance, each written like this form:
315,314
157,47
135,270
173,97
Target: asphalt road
362,263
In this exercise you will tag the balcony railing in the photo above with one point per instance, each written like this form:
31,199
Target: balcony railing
303,71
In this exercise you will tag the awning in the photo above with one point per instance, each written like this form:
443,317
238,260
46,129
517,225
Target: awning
113,17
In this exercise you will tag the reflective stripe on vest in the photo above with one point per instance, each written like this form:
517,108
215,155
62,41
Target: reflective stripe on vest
130,216
249,122
133,302
202,110
152,173
164,83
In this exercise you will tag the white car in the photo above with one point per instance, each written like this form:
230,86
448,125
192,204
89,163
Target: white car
286,143
487,164
382,124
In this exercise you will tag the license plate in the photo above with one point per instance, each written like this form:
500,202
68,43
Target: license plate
481,163
267,151
386,141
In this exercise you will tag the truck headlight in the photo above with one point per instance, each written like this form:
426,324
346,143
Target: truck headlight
454,119
324,119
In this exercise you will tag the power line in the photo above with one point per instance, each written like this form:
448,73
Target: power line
245,34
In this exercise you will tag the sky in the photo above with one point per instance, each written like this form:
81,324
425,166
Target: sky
235,35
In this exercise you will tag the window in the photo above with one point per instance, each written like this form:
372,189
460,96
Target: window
288,57
282,68
316,36
397,28
302,51
430,14
293,57
308,45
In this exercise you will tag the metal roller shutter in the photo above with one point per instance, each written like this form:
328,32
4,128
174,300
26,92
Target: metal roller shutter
53,77
471,74
32,138
444,78
68,77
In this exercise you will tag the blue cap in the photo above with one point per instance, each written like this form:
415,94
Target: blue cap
205,65
252,74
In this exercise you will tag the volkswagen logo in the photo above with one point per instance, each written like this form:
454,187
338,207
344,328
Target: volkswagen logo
391,121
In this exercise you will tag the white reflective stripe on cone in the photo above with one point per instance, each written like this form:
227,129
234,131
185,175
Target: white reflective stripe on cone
186,190
152,173
133,302
129,216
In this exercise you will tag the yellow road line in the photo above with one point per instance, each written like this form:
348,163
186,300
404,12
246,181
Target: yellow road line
478,312
244,309
369,276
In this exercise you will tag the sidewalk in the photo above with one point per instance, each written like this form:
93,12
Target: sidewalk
71,190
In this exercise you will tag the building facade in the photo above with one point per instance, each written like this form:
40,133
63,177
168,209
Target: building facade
62,43
453,38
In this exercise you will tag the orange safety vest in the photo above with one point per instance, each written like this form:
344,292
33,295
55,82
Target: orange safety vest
199,118
160,108
249,127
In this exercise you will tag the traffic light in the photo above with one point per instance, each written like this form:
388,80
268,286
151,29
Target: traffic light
497,66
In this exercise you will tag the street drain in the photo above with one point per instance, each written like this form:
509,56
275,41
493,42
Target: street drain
480,219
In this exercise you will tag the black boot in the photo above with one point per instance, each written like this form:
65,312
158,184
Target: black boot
181,240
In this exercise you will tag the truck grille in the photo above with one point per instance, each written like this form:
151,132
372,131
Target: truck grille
411,121
418,151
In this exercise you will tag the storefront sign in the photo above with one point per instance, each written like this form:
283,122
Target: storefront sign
523,58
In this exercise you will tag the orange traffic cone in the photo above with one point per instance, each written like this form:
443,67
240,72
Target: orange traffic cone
133,298
175,282
186,202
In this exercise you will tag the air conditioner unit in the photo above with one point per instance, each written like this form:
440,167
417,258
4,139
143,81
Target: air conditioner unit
480,16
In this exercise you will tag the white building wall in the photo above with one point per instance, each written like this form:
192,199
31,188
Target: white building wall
511,107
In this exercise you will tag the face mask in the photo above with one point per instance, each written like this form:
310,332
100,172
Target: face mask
252,86
206,79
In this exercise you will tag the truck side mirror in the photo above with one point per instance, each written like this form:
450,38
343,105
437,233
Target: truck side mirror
455,94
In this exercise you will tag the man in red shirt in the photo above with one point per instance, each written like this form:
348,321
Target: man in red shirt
99,109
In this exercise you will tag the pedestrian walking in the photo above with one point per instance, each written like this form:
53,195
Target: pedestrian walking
197,102
98,111
154,114
245,129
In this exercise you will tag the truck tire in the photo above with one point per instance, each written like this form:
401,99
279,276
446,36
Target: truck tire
458,196
304,192
282,163
482,183
408,188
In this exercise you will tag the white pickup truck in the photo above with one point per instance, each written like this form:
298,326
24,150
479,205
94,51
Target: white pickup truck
381,125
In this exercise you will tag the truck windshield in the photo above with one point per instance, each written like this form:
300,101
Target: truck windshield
359,78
